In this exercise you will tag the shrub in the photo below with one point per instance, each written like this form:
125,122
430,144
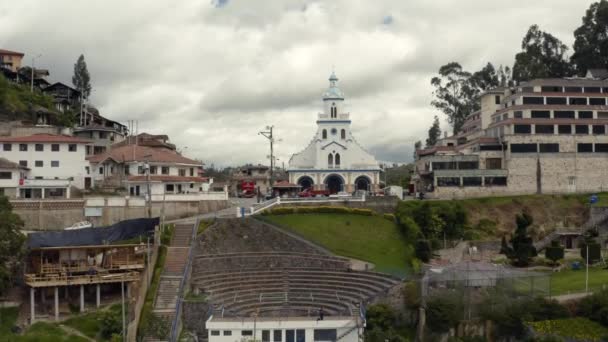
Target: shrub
283,211
595,307
554,252
110,324
423,250
363,212
390,217
409,228
380,316
443,312
307,210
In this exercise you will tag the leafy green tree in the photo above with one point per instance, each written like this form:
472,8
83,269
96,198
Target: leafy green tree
423,250
11,244
434,133
380,316
591,39
554,252
594,247
454,94
443,312
520,249
542,56
110,324
81,78
417,146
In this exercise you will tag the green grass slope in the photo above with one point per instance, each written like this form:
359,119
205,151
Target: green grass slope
548,211
369,238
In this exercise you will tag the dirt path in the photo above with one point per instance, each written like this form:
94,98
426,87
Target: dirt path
72,331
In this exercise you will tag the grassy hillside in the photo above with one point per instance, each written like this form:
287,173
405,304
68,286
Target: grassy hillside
548,211
369,238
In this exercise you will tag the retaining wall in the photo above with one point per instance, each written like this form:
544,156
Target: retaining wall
58,214
380,204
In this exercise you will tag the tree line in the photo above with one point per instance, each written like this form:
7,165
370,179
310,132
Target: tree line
542,55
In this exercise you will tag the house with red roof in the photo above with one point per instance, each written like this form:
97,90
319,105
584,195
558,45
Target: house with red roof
42,165
135,167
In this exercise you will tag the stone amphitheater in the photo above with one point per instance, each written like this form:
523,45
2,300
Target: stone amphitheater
244,267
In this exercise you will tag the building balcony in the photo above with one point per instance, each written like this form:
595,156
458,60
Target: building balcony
45,183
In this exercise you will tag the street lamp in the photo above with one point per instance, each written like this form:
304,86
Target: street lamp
32,78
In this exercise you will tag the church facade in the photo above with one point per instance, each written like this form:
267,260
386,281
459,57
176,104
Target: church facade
333,160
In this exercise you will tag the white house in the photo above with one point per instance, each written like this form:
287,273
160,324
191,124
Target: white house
283,329
10,174
50,165
169,172
333,160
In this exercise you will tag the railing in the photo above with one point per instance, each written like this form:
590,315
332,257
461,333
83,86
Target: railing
180,293
35,280
295,200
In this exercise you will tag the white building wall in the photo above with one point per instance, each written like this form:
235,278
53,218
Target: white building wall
71,164
309,325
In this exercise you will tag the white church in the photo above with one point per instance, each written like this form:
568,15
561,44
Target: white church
333,160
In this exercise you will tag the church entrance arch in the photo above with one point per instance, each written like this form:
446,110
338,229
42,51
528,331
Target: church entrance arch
306,182
334,183
363,183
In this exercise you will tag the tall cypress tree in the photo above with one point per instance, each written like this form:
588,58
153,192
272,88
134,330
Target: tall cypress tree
81,78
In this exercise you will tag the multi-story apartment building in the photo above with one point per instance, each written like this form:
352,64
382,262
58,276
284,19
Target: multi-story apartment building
127,165
542,136
101,131
48,165
10,60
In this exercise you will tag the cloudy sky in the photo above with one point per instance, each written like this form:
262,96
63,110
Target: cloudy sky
212,73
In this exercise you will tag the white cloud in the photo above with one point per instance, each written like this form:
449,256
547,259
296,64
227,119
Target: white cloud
212,73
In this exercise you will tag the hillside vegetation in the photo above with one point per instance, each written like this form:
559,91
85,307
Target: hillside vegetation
496,216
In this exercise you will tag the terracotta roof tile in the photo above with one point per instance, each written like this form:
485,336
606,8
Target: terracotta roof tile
131,153
43,138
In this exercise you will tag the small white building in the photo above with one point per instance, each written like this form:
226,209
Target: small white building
128,165
334,160
283,329
49,165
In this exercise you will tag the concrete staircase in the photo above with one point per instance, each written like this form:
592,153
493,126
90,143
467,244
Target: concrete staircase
176,260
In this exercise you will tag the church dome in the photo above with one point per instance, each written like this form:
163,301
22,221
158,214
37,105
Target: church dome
333,92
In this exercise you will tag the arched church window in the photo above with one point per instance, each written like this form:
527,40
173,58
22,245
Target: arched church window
324,134
330,161
343,134
337,159
334,111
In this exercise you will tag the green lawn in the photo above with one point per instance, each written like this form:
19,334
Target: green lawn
370,238
569,281
43,332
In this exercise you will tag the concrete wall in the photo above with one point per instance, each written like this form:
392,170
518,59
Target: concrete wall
382,205
58,214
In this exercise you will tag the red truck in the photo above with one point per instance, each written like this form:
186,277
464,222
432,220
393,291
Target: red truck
313,193
247,189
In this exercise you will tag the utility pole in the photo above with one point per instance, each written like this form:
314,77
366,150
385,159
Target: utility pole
148,194
124,319
32,78
268,135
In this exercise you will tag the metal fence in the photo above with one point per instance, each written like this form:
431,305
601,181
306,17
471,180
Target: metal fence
476,286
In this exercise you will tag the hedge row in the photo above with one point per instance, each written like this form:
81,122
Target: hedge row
318,210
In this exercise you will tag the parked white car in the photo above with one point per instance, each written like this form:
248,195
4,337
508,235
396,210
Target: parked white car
80,225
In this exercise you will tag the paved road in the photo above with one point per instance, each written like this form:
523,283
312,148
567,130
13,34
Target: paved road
224,213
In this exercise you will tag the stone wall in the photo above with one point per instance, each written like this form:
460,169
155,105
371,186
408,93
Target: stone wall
379,204
58,214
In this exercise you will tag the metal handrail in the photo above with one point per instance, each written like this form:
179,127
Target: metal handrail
180,292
